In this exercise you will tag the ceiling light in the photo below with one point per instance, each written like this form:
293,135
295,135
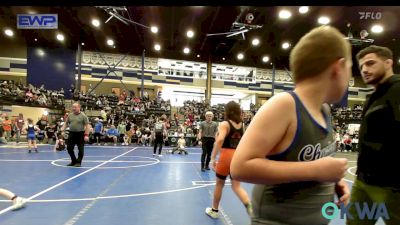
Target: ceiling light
9,32
40,52
303,9
198,56
95,22
255,42
240,56
60,37
157,47
285,14
83,43
324,20
189,33
114,46
186,50
110,42
377,29
154,29
285,45
35,39
265,59
223,58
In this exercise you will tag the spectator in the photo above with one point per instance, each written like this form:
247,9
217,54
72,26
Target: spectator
146,136
122,130
126,140
112,135
50,133
19,125
347,142
2,138
42,124
138,135
98,129
129,134
7,128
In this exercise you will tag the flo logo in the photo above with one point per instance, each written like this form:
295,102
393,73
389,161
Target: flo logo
370,15
372,212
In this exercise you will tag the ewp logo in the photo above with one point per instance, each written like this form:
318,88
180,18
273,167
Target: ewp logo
330,211
37,21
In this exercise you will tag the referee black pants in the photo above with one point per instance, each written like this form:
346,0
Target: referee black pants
158,141
76,138
207,147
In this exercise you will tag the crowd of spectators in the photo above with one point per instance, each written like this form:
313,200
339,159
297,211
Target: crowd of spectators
346,122
125,119
345,114
17,93
128,119
14,128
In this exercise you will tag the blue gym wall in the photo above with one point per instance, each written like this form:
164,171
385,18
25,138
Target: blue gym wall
55,68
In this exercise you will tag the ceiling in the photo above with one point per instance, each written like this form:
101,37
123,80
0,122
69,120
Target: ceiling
173,22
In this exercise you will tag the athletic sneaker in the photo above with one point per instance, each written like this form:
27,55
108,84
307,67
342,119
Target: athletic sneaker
159,155
18,203
154,154
71,164
210,212
77,165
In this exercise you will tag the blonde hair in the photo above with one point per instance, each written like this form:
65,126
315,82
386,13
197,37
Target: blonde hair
209,113
316,51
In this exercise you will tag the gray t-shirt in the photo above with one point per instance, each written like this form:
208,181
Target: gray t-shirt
208,129
76,123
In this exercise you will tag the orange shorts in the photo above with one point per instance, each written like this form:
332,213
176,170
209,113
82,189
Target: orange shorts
224,163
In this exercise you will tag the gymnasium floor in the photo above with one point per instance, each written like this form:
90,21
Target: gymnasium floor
117,185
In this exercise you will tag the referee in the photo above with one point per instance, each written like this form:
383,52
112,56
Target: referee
78,124
208,129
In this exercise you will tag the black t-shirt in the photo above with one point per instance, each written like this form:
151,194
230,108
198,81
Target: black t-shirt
42,124
1,131
50,131
378,136
128,126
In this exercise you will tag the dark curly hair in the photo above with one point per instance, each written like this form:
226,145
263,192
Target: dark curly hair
233,112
